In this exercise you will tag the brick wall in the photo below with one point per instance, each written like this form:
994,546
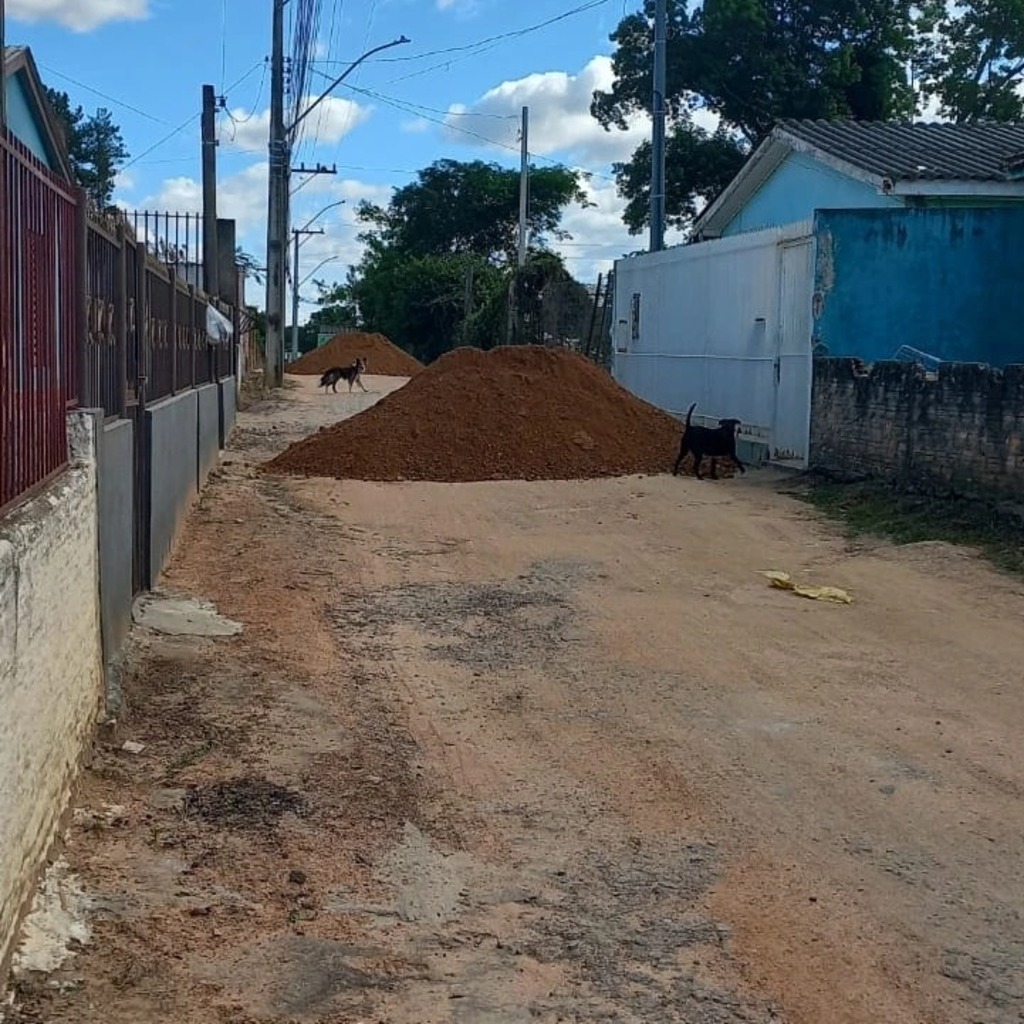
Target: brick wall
51,679
962,432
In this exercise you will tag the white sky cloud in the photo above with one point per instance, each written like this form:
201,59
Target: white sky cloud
78,15
329,123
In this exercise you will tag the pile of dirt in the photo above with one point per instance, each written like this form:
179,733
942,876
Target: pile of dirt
382,356
517,413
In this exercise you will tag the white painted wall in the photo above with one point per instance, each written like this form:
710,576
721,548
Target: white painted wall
722,326
51,677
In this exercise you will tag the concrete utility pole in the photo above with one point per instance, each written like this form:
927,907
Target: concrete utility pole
211,253
277,206
278,190
524,186
658,135
297,233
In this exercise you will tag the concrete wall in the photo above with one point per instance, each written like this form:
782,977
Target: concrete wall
799,186
961,433
51,676
174,460
208,431
116,487
945,281
228,408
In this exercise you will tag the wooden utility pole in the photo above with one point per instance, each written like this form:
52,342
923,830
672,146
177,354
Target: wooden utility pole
277,207
211,249
658,132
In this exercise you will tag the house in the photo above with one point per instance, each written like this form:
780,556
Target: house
30,119
805,166
868,240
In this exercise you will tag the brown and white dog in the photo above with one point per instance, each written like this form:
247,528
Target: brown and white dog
353,374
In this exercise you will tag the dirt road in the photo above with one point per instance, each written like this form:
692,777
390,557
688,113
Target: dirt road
501,753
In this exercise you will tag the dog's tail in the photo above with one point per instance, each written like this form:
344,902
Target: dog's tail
689,415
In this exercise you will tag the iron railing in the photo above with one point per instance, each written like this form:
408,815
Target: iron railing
38,319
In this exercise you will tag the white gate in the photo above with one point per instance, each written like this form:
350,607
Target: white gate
725,324
791,420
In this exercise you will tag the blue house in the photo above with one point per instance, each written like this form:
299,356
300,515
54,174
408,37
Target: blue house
30,118
875,241
805,166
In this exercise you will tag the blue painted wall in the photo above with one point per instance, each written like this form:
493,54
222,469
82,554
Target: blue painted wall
22,118
799,186
945,281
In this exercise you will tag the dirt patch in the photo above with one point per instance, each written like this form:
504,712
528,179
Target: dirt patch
246,803
521,413
383,358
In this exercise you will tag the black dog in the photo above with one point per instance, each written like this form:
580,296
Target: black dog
713,442
351,373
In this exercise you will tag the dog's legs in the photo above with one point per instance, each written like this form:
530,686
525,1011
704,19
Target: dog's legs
679,459
739,465
714,468
698,458
360,383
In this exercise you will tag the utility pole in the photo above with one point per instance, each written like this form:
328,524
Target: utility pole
658,135
297,233
211,249
524,186
278,191
277,206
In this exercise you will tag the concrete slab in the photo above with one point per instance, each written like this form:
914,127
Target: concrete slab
181,616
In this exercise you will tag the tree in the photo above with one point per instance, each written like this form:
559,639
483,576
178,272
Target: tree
751,62
451,231
336,310
95,146
455,208
973,59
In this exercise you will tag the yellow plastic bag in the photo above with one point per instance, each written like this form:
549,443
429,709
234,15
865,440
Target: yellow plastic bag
782,581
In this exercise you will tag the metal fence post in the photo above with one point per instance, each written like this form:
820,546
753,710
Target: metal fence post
172,329
83,376
121,320
142,316
193,340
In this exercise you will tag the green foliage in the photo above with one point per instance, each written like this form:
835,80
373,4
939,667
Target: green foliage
752,62
455,208
336,312
95,146
453,230
973,58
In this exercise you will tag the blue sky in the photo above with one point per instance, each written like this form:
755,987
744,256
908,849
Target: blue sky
150,59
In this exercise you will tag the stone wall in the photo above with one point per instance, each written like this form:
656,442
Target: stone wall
960,431
51,674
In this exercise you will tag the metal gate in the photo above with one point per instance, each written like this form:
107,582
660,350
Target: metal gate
791,422
726,324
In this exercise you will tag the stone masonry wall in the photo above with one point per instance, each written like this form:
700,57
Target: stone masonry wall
51,679
960,433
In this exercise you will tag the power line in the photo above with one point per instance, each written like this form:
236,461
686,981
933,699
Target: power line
184,124
486,42
105,96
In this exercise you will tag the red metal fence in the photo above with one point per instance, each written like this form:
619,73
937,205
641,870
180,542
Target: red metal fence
38,289
88,316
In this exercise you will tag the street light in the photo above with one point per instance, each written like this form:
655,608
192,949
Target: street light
296,232
322,263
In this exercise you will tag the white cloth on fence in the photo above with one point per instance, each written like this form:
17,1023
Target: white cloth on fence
218,326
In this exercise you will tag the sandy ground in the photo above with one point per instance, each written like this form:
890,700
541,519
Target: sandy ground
503,753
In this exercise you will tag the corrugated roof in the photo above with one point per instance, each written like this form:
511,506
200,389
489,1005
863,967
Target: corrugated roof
936,151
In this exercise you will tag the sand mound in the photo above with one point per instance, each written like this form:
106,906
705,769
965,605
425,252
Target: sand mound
519,413
382,357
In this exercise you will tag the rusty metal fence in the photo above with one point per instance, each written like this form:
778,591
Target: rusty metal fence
38,328
90,314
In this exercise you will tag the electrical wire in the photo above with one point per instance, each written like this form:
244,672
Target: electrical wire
184,124
105,96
